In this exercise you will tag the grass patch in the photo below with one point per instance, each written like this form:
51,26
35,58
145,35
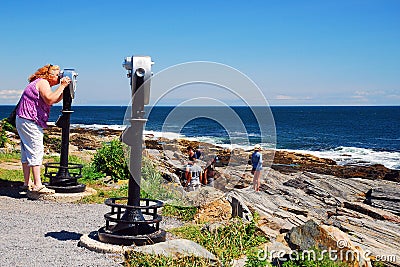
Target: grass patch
136,259
228,242
182,213
12,175
10,157
104,192
320,260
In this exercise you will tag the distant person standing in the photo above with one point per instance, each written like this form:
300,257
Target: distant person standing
32,116
256,162
194,175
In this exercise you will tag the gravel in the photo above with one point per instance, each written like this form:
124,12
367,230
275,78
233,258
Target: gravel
43,233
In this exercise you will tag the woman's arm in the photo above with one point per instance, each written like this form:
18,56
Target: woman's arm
47,94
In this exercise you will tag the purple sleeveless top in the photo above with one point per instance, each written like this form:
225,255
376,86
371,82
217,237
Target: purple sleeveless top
32,106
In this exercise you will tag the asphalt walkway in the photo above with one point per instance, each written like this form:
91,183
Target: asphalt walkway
42,233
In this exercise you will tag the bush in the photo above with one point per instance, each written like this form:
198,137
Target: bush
7,126
110,160
3,135
89,173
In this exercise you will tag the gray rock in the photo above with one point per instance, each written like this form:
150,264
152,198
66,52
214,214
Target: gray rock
385,197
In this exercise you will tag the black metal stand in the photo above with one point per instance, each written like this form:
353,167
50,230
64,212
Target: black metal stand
64,175
135,222
127,225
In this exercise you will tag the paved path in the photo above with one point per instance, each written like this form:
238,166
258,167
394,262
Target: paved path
40,233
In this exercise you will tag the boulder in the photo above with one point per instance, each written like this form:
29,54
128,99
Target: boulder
329,239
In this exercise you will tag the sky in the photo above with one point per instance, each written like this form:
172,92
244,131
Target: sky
310,52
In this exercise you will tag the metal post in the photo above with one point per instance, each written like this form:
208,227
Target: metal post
63,181
139,70
63,176
133,226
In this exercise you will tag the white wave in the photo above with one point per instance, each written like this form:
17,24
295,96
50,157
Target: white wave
167,135
93,126
342,155
98,126
358,156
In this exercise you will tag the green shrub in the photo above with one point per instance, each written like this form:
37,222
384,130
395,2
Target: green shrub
3,135
7,126
89,173
110,160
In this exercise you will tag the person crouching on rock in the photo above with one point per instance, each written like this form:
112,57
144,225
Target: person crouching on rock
32,116
193,176
209,173
256,161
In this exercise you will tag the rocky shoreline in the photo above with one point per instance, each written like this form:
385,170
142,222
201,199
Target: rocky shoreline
300,192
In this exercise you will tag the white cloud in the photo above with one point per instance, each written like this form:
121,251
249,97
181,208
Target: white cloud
9,96
291,98
394,97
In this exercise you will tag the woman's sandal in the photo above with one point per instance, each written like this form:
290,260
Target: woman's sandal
43,190
26,187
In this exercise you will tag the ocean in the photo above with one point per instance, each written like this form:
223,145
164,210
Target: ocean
348,135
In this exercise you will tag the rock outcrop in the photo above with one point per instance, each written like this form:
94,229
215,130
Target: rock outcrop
360,201
331,241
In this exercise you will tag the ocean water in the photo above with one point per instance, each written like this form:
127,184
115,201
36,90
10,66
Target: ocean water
349,135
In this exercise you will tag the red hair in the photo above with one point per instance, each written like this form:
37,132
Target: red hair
43,72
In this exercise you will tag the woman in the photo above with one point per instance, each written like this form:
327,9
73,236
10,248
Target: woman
32,116
256,161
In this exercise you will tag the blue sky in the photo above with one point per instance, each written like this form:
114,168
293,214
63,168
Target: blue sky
297,52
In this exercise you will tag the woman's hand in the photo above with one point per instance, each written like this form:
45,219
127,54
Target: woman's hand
65,81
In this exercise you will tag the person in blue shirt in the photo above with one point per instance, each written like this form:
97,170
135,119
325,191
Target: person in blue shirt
256,162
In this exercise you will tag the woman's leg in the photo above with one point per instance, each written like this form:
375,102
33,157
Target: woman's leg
27,173
32,144
256,181
36,176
